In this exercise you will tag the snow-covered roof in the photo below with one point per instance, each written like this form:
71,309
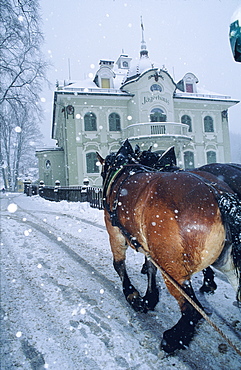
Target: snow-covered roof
88,85
79,84
140,66
202,94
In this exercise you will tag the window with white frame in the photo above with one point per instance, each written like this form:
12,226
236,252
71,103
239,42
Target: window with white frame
188,159
114,122
90,122
91,161
187,121
211,157
208,124
158,115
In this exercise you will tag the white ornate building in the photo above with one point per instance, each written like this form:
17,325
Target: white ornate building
137,101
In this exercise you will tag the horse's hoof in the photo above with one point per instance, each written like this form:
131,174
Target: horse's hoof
151,300
136,302
208,289
171,345
144,269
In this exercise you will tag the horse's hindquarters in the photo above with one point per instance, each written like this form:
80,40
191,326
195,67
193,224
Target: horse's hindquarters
175,217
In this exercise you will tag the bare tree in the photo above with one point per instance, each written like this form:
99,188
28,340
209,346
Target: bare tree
22,74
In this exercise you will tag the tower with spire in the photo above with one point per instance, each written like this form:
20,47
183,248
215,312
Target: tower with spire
143,52
144,62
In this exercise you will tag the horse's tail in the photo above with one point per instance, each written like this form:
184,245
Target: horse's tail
230,208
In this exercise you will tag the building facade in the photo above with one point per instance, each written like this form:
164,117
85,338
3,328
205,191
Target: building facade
140,102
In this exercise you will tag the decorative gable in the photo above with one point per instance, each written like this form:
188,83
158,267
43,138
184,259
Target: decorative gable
105,75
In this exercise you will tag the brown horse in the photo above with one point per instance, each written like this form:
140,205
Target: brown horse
175,217
230,173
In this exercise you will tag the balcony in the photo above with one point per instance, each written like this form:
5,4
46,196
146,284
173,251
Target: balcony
157,130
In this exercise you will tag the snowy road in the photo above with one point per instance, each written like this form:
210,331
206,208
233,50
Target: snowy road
62,305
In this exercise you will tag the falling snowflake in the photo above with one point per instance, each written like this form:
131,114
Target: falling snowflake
18,129
18,334
12,207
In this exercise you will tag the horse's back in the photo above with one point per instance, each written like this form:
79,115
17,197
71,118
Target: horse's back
230,173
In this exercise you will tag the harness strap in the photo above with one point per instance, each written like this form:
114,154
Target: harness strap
107,188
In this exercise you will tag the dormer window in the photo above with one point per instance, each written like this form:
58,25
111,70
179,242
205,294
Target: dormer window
105,83
123,62
104,77
188,83
189,87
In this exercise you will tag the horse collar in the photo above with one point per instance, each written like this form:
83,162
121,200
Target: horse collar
110,180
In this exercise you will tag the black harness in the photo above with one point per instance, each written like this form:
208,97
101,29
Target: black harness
112,176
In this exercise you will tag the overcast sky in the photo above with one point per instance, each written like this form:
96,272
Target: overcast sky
184,35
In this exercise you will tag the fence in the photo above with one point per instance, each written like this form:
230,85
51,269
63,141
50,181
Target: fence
93,195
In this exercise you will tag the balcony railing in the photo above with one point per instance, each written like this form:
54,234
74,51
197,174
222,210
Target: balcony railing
165,129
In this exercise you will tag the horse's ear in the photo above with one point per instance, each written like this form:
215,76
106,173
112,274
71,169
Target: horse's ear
137,150
100,159
168,158
149,150
126,149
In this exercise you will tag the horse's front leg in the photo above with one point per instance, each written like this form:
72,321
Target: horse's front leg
151,297
209,285
118,246
131,293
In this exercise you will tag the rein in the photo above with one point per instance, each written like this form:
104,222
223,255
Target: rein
109,181
190,300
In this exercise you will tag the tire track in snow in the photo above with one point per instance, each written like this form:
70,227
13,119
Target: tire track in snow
53,236
128,330
143,323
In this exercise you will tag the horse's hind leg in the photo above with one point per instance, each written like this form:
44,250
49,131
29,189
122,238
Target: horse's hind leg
151,297
180,335
209,285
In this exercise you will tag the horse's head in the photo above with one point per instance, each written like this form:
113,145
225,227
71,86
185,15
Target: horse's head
114,161
149,158
164,161
106,163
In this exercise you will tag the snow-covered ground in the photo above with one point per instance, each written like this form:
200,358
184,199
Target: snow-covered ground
62,303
